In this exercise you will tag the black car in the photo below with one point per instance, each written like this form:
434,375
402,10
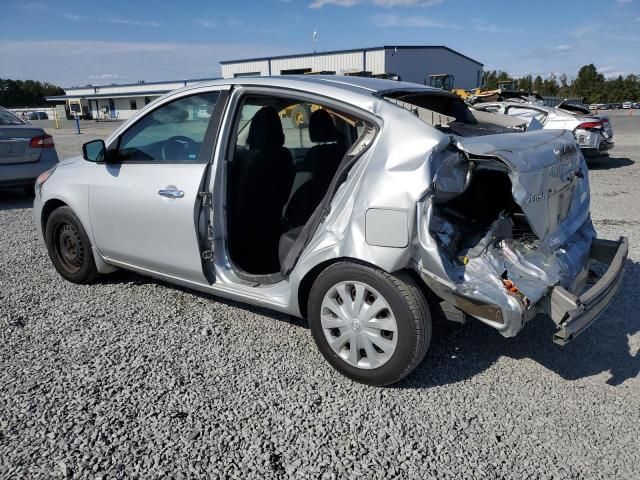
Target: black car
38,116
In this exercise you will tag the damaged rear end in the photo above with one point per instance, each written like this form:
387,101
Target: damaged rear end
504,232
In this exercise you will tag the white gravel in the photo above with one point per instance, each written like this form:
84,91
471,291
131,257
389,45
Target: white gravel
135,378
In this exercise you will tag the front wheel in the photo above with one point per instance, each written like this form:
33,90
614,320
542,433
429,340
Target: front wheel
371,326
69,247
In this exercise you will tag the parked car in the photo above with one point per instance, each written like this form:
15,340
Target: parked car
592,132
38,116
398,201
25,151
636,104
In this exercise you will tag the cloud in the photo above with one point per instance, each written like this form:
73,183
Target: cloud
584,31
378,3
73,62
203,22
623,2
137,23
107,76
482,26
73,16
35,6
409,21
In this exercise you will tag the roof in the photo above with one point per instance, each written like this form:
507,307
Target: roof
355,90
363,85
352,50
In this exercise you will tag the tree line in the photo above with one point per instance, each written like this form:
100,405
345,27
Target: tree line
589,85
26,93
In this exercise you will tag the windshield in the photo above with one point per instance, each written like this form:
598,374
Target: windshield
8,118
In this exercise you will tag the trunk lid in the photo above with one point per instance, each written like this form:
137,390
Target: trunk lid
548,180
14,144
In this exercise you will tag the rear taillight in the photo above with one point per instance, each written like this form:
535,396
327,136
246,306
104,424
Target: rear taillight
43,141
589,125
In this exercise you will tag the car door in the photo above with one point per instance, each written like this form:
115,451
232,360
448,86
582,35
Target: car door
144,200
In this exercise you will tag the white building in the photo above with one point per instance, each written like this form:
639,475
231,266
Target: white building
411,63
116,101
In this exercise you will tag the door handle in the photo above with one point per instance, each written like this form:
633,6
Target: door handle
171,193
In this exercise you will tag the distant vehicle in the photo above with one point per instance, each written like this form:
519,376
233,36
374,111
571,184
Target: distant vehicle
616,106
593,106
636,104
25,151
593,133
402,194
627,105
38,116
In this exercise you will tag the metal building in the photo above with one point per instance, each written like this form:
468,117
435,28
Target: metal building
411,63
115,102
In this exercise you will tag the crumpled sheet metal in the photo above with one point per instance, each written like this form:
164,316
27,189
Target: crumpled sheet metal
559,256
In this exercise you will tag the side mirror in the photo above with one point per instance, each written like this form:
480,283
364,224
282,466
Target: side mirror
94,151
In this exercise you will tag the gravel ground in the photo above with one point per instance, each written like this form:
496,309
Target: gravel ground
135,378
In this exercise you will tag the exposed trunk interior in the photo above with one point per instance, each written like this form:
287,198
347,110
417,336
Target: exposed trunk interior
476,212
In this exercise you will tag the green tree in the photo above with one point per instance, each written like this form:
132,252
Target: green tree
537,84
26,93
589,84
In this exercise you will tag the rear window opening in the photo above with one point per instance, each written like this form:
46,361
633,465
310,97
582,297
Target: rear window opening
463,121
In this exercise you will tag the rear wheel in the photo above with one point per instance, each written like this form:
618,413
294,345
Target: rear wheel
371,326
69,247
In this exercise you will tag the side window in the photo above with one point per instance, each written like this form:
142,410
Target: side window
295,121
172,133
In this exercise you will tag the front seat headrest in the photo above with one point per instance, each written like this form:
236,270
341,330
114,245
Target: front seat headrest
265,130
322,128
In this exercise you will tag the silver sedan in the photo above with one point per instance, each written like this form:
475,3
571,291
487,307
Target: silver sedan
392,203
25,151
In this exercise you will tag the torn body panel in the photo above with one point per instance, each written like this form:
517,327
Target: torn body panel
504,223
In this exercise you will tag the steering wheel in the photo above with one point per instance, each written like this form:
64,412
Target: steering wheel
177,148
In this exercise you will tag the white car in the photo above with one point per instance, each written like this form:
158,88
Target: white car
592,132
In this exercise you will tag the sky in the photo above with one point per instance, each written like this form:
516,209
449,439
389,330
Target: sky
68,42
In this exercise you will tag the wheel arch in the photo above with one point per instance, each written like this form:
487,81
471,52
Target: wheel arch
310,277
48,208
51,206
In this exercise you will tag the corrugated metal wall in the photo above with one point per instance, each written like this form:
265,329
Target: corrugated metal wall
339,62
335,62
412,64
375,62
232,69
416,64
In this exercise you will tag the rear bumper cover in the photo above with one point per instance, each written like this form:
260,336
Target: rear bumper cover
574,313
23,174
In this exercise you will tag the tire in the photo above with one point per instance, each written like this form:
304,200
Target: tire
69,247
300,115
401,351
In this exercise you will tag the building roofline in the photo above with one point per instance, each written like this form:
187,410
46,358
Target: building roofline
351,50
145,93
162,82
